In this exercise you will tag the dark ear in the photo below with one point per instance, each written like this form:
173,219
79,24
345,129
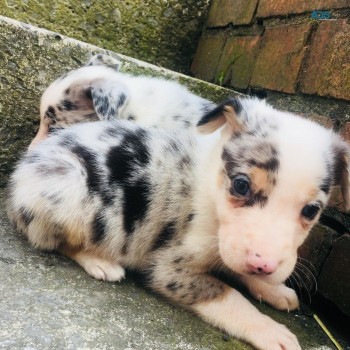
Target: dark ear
108,98
225,114
341,151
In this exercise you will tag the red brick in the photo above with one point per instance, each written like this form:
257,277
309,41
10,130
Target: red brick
224,12
327,68
268,8
280,57
207,56
237,61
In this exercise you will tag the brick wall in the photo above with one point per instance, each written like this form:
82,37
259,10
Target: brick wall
302,62
277,45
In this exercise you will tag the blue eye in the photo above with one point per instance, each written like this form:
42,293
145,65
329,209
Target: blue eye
310,211
241,185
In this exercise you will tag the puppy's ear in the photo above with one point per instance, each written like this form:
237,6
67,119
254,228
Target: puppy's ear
225,114
341,171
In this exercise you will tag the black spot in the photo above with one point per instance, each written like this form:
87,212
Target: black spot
67,91
88,93
68,105
89,161
124,160
326,185
121,100
259,198
230,162
50,113
165,236
270,165
98,228
221,110
26,216
174,286
131,117
137,198
101,104
190,217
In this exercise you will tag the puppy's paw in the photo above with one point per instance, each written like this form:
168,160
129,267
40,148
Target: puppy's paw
279,296
274,336
104,60
284,298
103,269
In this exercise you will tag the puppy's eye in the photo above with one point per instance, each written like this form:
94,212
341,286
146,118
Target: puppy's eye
241,185
310,211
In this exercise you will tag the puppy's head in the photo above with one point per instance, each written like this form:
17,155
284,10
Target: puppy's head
273,180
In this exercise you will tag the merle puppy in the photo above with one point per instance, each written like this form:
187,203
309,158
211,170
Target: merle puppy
114,195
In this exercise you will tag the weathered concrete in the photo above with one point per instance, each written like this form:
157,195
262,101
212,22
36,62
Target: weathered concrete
30,59
161,32
48,302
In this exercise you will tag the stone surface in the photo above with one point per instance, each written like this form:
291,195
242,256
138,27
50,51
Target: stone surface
30,59
160,32
327,69
237,12
206,59
334,280
313,253
48,302
237,61
268,8
280,57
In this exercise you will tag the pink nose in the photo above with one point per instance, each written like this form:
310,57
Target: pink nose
258,265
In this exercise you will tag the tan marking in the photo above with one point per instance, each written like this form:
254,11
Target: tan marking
260,179
228,117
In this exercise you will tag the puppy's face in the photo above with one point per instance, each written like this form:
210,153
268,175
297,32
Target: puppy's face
273,182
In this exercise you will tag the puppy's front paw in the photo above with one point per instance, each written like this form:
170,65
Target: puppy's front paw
103,269
279,296
274,336
285,298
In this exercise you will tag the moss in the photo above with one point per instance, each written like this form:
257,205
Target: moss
162,32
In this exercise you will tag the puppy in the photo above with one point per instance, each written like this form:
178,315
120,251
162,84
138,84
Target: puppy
98,91
115,195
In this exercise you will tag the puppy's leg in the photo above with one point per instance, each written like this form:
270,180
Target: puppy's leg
237,316
104,60
279,296
221,306
95,266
